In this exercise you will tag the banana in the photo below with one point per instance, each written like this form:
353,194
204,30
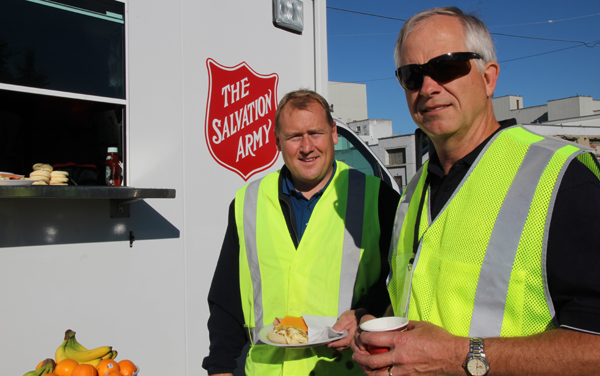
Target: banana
86,356
60,352
76,345
110,355
74,350
93,362
46,368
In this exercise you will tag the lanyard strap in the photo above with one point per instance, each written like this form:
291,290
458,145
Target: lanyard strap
418,221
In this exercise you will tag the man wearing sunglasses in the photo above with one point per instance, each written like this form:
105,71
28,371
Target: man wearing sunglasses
493,259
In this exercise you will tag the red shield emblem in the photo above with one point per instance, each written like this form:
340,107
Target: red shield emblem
240,118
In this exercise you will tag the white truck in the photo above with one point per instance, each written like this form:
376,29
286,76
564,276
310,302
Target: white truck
187,91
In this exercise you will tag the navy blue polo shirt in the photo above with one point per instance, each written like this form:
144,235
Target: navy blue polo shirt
302,207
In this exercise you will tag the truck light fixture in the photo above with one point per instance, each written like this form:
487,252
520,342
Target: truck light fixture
289,15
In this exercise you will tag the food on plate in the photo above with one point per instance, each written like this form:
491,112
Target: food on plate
8,176
44,174
291,330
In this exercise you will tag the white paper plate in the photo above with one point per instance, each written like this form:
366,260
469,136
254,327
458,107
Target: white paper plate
16,182
263,337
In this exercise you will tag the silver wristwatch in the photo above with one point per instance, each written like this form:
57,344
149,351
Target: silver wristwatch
476,363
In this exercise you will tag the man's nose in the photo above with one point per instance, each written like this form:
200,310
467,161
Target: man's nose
430,86
307,145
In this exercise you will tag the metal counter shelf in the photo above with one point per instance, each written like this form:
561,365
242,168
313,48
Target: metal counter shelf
119,197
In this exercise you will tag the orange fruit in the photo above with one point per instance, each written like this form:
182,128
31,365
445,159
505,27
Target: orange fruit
106,366
128,368
114,373
65,367
85,370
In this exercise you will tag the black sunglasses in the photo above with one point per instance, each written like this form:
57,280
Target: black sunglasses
444,68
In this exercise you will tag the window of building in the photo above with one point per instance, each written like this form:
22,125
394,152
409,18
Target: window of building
397,156
398,180
62,84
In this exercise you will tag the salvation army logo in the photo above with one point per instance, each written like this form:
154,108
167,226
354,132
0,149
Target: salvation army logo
240,118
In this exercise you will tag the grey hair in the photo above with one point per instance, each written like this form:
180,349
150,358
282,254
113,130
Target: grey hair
477,36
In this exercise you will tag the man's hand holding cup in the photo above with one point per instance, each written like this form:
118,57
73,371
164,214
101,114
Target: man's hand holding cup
383,324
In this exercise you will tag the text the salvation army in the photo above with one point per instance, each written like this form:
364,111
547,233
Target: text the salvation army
243,117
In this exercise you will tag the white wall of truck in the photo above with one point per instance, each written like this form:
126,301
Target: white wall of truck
148,301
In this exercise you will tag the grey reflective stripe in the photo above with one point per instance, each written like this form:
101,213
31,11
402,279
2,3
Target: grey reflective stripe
352,238
400,216
494,278
250,212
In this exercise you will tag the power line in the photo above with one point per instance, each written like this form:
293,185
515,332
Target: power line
548,39
367,14
501,34
500,62
580,43
549,21
549,52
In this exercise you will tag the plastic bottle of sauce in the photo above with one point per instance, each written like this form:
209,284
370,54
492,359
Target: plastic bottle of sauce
113,167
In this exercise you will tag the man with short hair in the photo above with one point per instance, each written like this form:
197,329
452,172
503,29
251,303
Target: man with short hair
493,259
310,239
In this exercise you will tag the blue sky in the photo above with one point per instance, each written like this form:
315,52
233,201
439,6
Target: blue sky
360,49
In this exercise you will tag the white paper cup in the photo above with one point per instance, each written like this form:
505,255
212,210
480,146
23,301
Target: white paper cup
383,324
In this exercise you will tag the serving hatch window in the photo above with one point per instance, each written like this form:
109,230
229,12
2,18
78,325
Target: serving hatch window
75,46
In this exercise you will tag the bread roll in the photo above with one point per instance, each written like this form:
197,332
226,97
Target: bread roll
42,173
42,167
60,179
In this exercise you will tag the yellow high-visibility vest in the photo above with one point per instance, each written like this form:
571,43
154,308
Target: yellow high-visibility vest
336,262
479,269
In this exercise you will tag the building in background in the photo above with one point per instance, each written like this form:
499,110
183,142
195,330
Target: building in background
576,119
348,101
371,130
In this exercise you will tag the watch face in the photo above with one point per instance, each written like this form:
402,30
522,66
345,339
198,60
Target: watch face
477,367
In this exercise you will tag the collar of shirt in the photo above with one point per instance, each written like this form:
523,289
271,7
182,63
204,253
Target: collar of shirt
442,186
301,207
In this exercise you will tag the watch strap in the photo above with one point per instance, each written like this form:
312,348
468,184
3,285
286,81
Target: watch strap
476,352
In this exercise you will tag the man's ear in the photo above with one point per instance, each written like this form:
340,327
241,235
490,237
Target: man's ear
334,134
490,76
277,143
